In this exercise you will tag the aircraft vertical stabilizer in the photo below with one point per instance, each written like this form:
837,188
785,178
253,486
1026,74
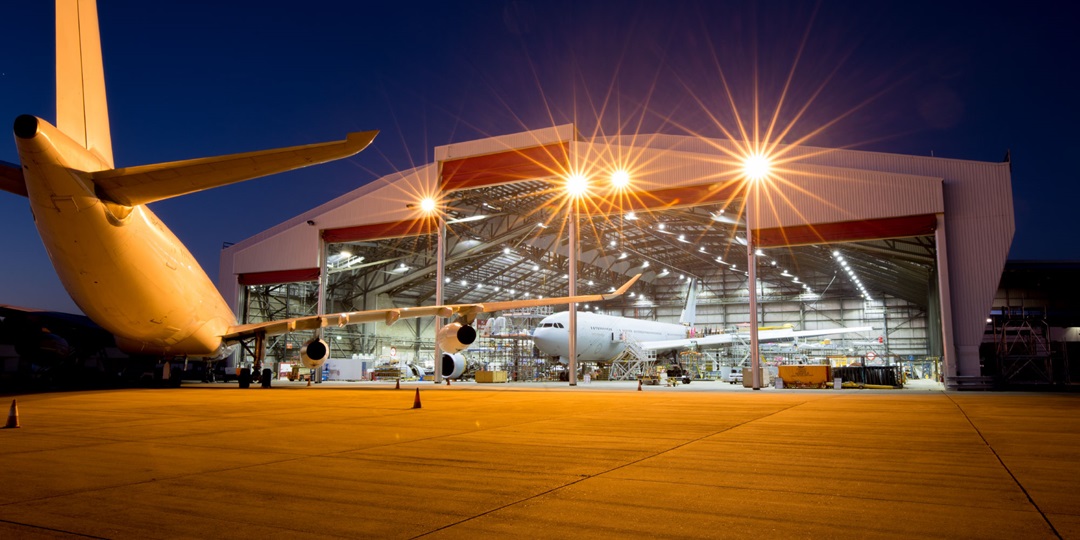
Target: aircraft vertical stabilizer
81,111
689,312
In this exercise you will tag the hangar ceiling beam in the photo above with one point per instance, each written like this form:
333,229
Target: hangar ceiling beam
514,231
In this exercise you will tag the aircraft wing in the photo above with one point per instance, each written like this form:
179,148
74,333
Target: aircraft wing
832,331
763,335
148,183
11,178
703,341
391,315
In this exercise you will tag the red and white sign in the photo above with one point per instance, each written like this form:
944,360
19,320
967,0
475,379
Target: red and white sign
871,356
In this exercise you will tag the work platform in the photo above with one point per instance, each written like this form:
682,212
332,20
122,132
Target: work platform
597,461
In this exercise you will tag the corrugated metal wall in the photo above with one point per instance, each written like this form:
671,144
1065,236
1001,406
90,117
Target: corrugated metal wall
502,143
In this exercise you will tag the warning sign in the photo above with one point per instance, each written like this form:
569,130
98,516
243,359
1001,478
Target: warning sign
871,355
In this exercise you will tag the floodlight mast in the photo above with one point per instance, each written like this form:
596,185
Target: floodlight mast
751,264
576,187
440,264
755,170
572,335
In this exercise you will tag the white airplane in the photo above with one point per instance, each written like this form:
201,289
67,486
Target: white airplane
119,262
602,338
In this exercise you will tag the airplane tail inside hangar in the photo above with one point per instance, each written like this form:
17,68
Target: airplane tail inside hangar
910,244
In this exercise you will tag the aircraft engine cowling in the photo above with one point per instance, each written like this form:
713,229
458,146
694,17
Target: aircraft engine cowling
314,353
452,365
455,337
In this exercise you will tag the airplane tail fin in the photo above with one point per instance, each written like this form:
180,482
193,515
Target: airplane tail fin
689,312
81,109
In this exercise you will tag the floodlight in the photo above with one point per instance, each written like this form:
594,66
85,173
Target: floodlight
756,167
577,185
620,178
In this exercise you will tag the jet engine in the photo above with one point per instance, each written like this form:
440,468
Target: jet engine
455,337
314,353
453,365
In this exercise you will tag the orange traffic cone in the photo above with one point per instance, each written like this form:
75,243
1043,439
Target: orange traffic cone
397,385
13,416
416,400
639,385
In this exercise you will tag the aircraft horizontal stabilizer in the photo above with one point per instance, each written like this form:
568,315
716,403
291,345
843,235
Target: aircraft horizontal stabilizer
392,315
11,178
130,186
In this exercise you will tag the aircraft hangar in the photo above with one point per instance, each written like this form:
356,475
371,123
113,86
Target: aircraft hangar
911,245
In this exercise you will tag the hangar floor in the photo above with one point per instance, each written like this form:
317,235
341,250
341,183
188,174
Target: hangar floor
539,462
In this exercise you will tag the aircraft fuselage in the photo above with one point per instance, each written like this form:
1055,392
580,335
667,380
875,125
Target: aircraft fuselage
121,265
600,338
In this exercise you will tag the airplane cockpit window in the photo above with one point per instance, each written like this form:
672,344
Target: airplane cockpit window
559,325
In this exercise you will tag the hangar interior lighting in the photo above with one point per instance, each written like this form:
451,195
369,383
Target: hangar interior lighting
477,217
427,204
851,274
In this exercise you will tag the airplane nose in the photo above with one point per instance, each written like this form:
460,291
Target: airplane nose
543,341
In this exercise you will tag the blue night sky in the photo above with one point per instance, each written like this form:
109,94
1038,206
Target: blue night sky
198,78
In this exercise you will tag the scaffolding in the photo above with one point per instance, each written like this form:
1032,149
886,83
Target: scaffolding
633,363
505,344
1022,345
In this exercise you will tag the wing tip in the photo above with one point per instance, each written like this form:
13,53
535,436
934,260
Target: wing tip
360,140
622,290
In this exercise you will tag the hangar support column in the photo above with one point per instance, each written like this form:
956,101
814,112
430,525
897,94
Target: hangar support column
951,367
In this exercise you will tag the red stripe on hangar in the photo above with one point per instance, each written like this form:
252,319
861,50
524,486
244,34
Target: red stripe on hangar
848,231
